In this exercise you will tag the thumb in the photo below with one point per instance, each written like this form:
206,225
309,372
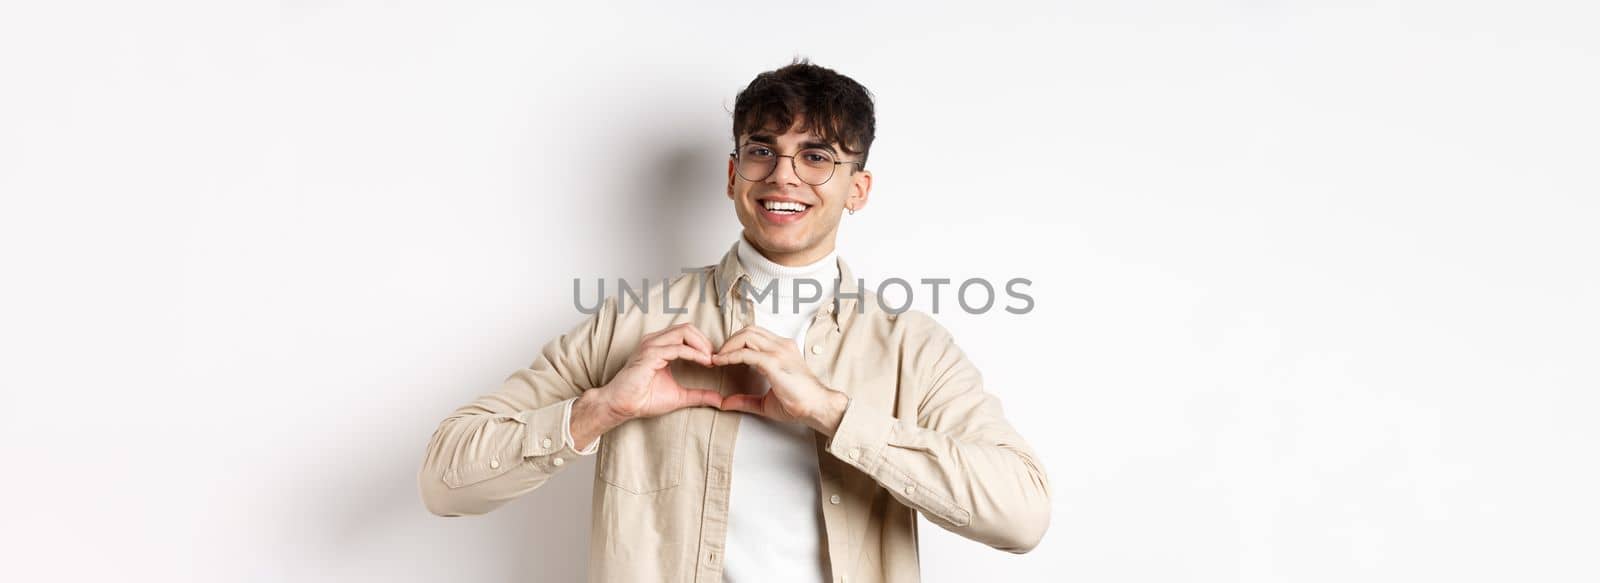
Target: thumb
700,398
741,402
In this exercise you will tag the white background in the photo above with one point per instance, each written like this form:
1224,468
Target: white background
1310,276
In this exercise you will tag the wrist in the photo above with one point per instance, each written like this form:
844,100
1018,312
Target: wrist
827,417
591,418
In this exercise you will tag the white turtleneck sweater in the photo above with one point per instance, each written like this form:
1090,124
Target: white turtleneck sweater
775,529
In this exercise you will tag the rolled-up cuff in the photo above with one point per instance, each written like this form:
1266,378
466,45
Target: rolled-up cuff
566,432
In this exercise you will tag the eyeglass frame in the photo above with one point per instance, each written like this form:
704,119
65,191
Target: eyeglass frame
792,165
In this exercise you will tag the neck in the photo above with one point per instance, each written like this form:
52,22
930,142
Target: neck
764,269
799,258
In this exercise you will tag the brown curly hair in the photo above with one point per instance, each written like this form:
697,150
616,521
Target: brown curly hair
835,107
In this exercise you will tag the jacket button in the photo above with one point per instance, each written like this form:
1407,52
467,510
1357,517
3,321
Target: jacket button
558,461
816,349
834,498
855,453
911,490
494,464
547,442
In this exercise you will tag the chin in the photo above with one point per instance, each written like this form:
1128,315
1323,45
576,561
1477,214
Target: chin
780,244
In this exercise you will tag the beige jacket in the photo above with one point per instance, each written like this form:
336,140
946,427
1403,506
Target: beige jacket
920,435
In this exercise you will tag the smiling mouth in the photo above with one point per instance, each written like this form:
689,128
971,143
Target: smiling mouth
783,207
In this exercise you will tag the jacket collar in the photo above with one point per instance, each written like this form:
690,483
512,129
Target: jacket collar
730,272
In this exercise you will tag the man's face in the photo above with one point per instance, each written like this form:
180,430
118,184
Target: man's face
795,238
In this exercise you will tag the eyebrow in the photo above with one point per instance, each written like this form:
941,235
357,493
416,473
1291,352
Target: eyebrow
812,143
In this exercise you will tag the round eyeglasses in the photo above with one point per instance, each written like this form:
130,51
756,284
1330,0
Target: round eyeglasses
813,166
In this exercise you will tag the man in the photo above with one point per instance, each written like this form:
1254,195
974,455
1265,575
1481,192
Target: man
747,428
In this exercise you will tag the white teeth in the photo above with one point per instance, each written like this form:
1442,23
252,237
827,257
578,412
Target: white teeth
782,206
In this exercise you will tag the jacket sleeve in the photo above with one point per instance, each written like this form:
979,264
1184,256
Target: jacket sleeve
509,442
959,463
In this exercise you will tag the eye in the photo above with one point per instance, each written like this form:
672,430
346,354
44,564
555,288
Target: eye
757,151
816,157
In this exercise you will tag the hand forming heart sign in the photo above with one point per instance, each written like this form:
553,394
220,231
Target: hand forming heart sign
645,387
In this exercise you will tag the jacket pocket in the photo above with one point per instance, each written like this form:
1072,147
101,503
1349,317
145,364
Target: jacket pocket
645,455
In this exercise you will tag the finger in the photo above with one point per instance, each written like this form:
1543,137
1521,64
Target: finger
701,398
735,338
680,335
746,338
746,356
684,333
745,403
694,337
735,342
658,356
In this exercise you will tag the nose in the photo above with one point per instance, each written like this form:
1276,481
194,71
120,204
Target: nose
783,172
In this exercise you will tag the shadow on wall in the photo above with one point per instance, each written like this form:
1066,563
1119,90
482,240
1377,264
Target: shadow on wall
676,212
550,538
671,212
688,220
665,206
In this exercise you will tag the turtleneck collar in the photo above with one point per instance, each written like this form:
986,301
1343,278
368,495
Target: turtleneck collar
762,270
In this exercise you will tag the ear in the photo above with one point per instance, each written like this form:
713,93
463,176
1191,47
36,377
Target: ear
860,190
730,177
